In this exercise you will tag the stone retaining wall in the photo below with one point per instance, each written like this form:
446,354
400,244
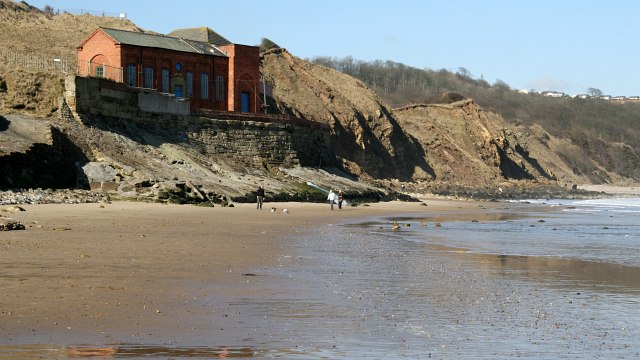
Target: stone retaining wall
98,102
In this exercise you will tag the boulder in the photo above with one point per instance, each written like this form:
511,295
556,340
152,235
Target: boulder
7,224
99,172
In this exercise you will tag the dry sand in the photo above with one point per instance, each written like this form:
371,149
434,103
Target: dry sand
102,274
613,190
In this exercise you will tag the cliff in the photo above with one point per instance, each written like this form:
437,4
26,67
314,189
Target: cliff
364,132
363,145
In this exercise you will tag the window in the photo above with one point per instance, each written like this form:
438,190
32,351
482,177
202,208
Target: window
148,78
204,86
100,71
219,87
131,75
189,84
165,80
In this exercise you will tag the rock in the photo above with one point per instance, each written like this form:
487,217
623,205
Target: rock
48,196
13,209
100,172
7,224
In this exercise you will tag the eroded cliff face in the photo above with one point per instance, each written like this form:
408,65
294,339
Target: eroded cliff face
466,145
458,143
365,134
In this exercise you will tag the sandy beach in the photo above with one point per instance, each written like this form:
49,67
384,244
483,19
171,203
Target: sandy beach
613,190
134,272
135,280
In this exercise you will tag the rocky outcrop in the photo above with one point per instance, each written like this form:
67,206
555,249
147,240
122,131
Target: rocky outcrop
37,154
50,196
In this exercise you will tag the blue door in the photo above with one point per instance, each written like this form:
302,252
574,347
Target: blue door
177,90
245,102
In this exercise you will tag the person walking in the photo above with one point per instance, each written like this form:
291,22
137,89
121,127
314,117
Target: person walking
340,198
259,197
331,198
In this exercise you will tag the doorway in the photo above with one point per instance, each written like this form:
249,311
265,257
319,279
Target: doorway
177,85
244,102
177,90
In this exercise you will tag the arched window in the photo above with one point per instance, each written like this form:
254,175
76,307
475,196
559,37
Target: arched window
131,75
219,87
148,77
165,80
204,86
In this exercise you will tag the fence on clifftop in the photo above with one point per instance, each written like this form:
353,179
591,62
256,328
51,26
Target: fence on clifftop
37,62
121,15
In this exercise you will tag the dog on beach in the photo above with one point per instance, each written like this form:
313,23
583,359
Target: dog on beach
284,211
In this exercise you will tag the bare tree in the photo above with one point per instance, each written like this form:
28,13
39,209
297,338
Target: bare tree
501,85
463,72
594,92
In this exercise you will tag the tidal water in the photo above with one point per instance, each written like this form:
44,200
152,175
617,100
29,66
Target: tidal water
548,279
538,279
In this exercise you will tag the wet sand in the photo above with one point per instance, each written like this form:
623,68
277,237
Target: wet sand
150,273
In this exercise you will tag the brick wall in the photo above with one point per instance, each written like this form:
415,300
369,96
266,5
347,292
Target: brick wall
244,76
100,49
101,46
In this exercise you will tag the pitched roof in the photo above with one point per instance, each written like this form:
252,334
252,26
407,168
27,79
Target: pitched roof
203,34
161,42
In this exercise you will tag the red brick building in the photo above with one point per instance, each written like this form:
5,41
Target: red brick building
197,64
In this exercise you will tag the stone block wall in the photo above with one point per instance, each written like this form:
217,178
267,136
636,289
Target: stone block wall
91,96
96,102
252,142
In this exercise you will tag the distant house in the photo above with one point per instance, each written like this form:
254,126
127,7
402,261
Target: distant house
197,64
553,94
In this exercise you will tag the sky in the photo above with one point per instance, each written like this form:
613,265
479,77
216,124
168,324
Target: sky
555,45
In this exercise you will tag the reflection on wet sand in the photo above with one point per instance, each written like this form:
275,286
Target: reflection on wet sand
558,272
133,351
462,216
126,351
588,275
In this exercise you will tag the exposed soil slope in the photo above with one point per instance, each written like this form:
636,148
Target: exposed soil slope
467,145
365,133
27,29
457,144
